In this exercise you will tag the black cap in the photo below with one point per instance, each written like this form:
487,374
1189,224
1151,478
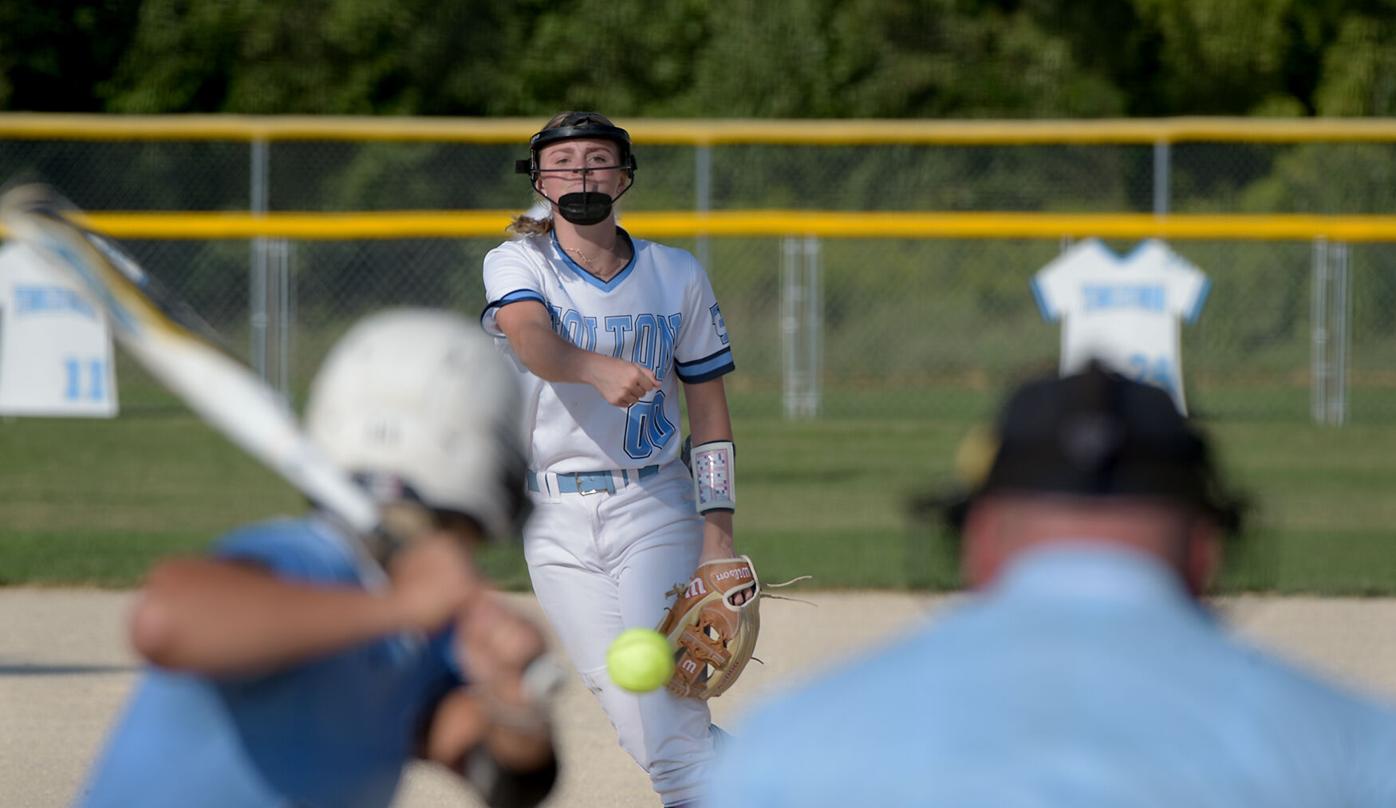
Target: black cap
1094,434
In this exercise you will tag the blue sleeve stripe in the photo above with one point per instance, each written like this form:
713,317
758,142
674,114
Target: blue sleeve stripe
694,365
709,376
1196,310
703,370
1041,301
515,296
512,297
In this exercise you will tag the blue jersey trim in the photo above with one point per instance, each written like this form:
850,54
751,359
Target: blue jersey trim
1196,310
704,360
709,376
512,297
707,368
585,275
1041,301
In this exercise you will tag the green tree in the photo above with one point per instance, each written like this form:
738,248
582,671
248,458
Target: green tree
1220,56
53,53
626,58
711,58
890,58
1359,68
393,57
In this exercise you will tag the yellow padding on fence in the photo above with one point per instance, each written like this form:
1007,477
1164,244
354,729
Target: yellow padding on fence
827,224
1011,225
308,226
698,131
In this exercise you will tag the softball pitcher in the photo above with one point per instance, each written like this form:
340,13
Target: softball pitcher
604,328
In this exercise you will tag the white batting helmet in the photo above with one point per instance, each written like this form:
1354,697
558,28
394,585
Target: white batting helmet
420,405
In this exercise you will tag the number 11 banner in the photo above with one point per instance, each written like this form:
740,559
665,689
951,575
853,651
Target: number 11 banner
55,346
1123,310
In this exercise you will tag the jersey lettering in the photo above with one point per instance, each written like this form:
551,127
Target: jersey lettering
619,326
647,429
578,330
80,386
668,338
646,339
719,324
50,299
1148,297
646,342
1156,370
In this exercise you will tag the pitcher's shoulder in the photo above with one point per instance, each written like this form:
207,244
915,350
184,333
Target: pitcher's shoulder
666,257
528,247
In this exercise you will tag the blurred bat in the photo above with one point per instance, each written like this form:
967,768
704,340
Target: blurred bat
159,330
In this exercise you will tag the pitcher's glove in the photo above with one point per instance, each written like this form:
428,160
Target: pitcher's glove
713,639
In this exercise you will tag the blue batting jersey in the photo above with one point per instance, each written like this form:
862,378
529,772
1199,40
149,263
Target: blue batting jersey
1086,678
331,732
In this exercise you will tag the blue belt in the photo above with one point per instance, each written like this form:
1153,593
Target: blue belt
589,482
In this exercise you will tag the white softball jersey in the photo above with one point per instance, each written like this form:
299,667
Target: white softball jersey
1123,310
659,311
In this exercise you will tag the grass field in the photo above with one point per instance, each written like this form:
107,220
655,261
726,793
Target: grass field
94,502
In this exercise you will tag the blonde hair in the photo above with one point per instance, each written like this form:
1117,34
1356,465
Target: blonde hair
536,221
529,223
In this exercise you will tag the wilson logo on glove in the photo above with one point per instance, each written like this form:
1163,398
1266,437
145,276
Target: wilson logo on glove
713,636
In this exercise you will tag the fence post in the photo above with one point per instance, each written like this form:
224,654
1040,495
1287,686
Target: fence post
258,271
1330,310
789,326
1318,327
282,304
814,334
703,196
1338,409
801,326
1163,176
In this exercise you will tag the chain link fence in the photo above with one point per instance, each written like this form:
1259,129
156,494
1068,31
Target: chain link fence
860,361
844,327
833,327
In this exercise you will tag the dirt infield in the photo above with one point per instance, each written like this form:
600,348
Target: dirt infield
64,672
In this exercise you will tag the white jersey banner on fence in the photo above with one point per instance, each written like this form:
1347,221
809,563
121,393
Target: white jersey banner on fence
55,346
1123,310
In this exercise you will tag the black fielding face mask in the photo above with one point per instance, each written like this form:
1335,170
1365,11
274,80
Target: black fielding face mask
584,207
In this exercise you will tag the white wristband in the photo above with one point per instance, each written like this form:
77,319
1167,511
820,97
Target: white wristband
714,476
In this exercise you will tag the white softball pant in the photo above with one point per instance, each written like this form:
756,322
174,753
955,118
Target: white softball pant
605,562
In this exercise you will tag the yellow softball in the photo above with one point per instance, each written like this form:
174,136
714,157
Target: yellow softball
640,660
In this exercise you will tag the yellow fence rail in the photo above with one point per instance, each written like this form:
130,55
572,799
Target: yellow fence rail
701,132
737,223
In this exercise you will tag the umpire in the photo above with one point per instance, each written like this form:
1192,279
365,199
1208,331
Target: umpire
1083,670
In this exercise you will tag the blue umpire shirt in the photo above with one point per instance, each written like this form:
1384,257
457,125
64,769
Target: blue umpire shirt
1086,677
335,731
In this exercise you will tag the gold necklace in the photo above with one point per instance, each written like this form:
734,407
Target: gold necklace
587,260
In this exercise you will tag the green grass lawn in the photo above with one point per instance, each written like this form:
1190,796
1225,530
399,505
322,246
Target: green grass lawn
95,502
